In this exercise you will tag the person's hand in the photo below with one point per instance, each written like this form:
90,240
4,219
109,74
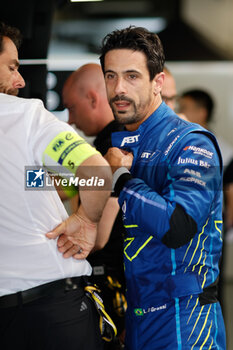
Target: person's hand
118,158
76,236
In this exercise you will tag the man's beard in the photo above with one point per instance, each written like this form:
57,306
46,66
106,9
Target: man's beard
4,90
120,116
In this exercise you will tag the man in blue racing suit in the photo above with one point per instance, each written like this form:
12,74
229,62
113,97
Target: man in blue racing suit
171,201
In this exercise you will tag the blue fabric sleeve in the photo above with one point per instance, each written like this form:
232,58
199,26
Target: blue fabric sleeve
191,177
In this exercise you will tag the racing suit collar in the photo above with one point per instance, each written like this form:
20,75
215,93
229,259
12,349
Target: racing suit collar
130,140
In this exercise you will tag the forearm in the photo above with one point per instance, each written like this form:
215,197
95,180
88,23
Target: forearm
157,215
106,223
93,198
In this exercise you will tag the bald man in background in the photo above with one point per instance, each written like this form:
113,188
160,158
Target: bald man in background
84,95
169,92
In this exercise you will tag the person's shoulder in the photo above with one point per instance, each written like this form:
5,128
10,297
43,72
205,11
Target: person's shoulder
19,106
35,115
32,102
19,103
201,143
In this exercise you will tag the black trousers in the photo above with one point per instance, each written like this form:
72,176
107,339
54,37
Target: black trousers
66,320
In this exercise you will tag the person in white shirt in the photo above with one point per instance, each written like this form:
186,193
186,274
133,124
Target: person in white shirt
42,300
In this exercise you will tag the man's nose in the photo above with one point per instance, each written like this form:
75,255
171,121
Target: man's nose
120,88
19,81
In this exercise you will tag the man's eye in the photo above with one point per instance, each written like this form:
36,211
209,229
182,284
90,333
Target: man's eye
132,76
109,76
12,68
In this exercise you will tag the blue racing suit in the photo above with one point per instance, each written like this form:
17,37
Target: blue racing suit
172,211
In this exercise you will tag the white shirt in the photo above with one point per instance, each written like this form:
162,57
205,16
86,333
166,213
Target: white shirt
27,257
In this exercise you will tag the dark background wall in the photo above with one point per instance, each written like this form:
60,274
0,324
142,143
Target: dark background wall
34,19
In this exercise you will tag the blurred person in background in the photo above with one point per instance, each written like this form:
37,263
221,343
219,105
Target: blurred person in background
169,92
198,106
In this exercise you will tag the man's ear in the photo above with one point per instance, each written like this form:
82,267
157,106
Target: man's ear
158,82
92,98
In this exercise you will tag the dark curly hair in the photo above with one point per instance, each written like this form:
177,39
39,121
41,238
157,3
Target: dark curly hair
137,39
10,32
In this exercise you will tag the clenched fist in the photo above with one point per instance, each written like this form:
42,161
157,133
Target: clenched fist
118,158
